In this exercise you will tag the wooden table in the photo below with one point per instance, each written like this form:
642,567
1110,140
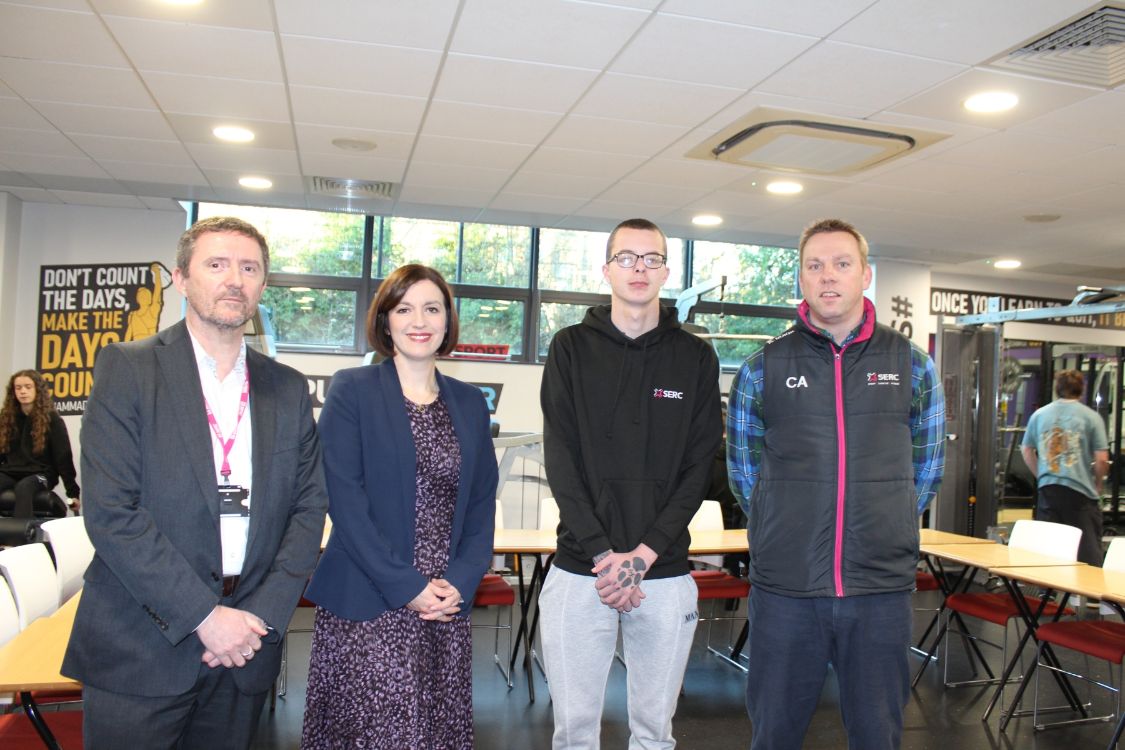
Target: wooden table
933,536
973,556
32,660
1083,580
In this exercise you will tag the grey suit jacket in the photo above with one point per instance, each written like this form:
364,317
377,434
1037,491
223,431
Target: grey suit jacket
152,511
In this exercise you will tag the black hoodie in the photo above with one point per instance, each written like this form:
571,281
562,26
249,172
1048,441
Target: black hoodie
630,428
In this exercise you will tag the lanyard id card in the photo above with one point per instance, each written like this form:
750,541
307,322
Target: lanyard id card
234,500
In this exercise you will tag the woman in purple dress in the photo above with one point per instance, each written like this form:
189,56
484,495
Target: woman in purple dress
412,489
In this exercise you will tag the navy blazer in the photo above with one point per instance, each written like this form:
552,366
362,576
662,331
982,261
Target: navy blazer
370,464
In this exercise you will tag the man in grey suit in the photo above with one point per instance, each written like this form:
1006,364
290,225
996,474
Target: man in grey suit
205,501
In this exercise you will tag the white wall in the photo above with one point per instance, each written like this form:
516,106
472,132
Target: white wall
10,208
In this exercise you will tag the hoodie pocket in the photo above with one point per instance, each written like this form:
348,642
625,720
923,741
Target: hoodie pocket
627,509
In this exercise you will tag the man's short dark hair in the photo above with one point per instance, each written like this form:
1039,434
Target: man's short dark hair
826,226
642,224
391,292
218,224
1069,384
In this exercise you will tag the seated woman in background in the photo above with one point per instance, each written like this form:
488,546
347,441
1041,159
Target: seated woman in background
411,475
34,444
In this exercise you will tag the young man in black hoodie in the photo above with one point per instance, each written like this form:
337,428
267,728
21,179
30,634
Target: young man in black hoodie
631,425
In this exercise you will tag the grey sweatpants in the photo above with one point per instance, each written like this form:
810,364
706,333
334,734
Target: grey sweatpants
579,637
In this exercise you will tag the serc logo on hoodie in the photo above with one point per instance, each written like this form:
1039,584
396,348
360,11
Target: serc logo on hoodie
665,393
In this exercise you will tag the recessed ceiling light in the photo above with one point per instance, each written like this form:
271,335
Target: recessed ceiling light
233,134
784,187
1007,264
707,220
183,2
255,183
988,102
353,144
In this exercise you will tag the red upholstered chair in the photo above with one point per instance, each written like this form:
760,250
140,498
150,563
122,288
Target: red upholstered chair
494,591
18,733
1101,639
715,585
1052,539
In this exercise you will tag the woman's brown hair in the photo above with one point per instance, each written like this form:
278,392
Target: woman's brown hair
391,292
40,415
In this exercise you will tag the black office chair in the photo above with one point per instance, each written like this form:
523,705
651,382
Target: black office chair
17,531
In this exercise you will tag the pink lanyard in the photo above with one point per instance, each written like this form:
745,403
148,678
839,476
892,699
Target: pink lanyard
228,444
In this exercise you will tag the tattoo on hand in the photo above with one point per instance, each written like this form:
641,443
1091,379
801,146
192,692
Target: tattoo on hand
631,573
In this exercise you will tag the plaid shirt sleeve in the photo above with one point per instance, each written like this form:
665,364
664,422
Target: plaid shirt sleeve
745,430
927,427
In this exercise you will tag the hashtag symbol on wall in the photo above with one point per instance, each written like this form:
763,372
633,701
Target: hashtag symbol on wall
901,307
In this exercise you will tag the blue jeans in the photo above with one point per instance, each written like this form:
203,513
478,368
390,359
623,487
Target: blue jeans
791,642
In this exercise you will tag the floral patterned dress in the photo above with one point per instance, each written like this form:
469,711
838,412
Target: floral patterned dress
398,681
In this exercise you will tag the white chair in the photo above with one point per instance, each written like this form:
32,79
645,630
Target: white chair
9,616
73,552
33,581
709,517
548,514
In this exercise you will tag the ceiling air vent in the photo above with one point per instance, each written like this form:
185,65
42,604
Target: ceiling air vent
1089,51
352,189
812,144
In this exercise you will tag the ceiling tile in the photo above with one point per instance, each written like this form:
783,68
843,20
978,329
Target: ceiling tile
37,166
500,83
226,180
434,209
688,173
219,97
664,196
964,31
15,113
1010,150
477,122
564,161
717,54
613,136
429,174
30,195
244,14
105,200
37,142
13,179
161,204
471,153
424,24
1037,97
374,68
198,129
102,147
356,109
1097,119
580,35
650,100
44,34
175,191
70,181
269,162
552,204
317,139
558,185
112,121
178,48
816,17
859,76
36,80
170,174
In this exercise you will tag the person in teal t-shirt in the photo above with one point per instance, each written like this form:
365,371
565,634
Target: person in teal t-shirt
1066,449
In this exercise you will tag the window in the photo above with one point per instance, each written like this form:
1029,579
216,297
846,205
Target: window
514,286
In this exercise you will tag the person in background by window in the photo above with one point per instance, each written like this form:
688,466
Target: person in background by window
412,494
34,444
1066,449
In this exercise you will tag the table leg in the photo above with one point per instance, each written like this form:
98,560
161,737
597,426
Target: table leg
33,713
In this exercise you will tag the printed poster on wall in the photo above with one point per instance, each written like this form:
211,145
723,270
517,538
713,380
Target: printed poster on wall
82,309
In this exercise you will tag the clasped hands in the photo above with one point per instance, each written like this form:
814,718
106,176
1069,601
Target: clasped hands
439,601
230,636
619,576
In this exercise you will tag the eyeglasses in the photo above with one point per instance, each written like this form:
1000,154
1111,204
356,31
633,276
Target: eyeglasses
628,259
